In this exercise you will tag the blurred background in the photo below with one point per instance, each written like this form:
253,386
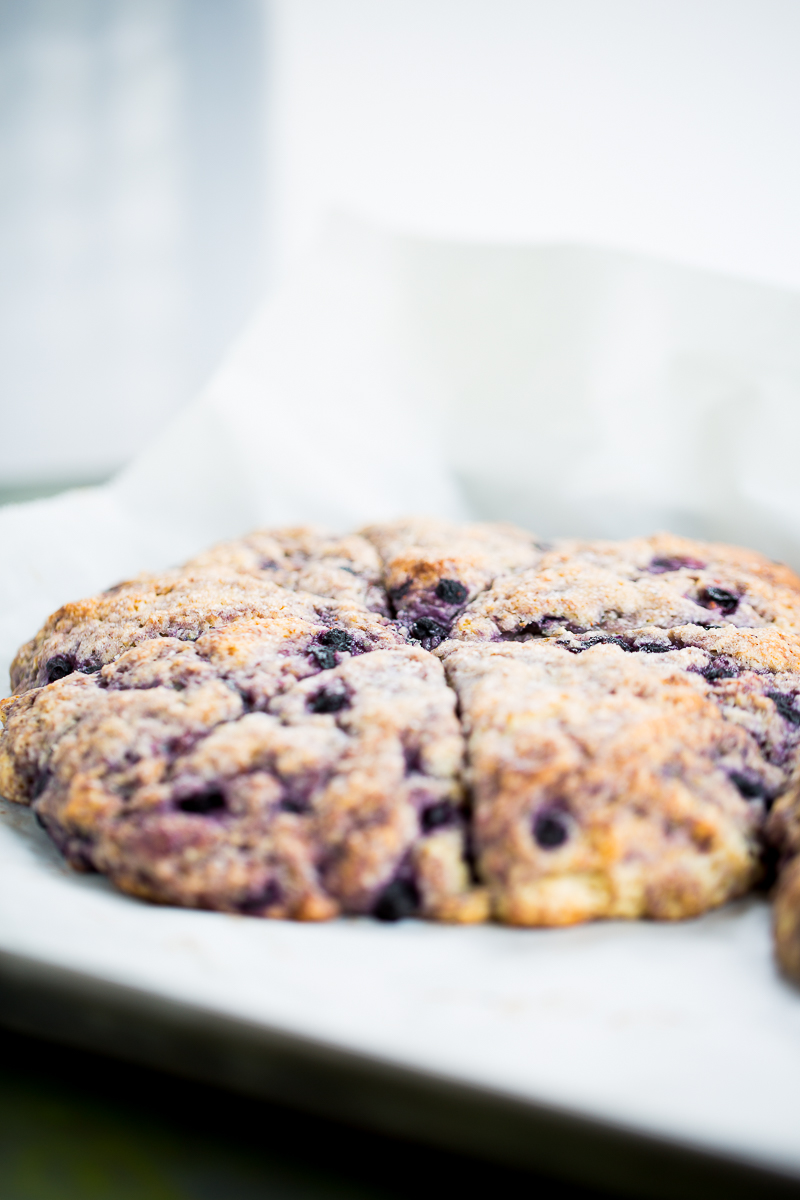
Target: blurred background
163,163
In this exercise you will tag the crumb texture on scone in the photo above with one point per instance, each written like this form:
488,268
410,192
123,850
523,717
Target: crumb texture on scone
428,719
611,781
341,794
615,586
303,558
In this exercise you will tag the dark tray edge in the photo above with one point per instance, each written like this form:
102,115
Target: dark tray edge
68,1007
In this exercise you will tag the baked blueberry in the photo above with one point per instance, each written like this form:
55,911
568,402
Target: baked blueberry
270,896
750,788
550,830
428,631
402,590
785,706
58,667
596,639
716,597
329,702
204,802
720,668
450,591
294,804
437,815
324,656
337,639
397,901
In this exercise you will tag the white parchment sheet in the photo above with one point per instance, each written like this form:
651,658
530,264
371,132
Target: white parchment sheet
575,391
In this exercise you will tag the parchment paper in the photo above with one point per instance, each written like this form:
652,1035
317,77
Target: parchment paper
573,390
577,391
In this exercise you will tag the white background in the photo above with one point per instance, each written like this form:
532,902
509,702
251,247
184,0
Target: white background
163,162
670,126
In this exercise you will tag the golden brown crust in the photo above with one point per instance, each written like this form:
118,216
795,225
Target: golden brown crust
303,558
662,580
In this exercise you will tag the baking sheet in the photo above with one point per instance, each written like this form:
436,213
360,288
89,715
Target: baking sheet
577,391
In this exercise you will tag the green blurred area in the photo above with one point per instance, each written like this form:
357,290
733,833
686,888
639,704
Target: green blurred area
59,1143
79,1126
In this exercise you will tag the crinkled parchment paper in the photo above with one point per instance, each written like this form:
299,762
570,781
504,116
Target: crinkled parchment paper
575,391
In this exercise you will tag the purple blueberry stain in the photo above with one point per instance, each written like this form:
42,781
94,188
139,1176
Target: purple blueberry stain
59,667
212,801
470,855
748,786
533,629
400,899
40,784
437,816
292,804
550,829
296,796
398,593
451,591
595,639
412,756
785,706
604,639
660,566
629,645
720,667
78,851
267,898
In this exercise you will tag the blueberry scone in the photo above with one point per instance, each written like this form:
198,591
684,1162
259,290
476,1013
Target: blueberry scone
191,779
451,721
783,833
624,777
